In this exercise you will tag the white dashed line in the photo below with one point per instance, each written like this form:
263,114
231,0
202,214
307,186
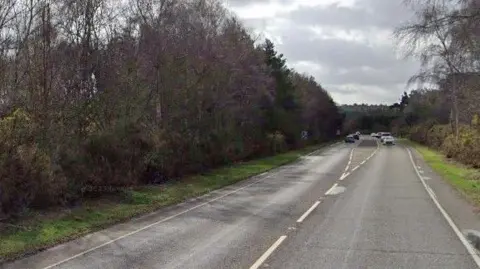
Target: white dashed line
267,253
454,227
355,168
331,189
305,215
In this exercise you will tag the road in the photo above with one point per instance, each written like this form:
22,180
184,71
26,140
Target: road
348,206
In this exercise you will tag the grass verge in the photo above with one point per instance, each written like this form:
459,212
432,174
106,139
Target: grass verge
39,231
463,178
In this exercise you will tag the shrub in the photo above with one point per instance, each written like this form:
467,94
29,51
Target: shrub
277,142
437,134
469,143
466,149
111,158
27,177
451,147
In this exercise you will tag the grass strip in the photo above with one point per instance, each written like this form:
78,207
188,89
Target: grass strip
40,230
465,179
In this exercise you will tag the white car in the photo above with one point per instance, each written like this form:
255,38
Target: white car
383,135
388,140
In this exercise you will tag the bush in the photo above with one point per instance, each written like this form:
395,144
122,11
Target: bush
27,177
111,158
418,134
277,142
451,147
437,134
469,146
465,149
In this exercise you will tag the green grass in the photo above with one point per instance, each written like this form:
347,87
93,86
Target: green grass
38,231
463,178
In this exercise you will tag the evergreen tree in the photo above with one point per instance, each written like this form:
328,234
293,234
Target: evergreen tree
284,115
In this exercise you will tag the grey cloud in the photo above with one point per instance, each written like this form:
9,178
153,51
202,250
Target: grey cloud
342,60
242,3
339,90
347,62
334,53
357,94
367,13
239,3
396,73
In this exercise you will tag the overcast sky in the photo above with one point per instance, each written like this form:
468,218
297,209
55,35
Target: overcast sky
346,45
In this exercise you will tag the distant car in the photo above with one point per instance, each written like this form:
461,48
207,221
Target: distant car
373,134
349,139
358,133
388,140
356,136
383,135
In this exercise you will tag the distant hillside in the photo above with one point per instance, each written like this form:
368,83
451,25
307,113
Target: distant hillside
357,110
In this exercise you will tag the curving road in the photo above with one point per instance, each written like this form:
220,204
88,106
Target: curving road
347,206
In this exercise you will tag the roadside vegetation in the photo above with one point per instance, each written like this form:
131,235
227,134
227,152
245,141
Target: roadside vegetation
442,114
133,104
96,95
38,230
464,178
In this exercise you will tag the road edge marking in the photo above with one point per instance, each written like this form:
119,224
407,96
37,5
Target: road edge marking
267,253
466,244
263,175
151,225
305,215
172,216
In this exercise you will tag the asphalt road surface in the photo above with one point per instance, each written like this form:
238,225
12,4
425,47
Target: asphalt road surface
359,205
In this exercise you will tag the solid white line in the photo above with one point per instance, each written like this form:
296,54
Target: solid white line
305,215
470,249
262,174
269,252
351,155
331,189
148,226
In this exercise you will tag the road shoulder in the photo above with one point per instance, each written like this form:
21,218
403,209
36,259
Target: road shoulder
39,233
463,212
119,231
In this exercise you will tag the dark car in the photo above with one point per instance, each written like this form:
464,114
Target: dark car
349,139
356,136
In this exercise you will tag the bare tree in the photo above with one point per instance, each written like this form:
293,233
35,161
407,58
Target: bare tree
442,39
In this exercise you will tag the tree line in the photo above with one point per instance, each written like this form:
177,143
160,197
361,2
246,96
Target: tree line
444,108
119,94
